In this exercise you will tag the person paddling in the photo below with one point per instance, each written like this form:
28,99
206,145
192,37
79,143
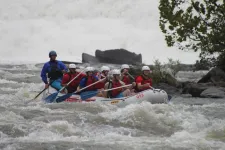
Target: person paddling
67,77
89,79
143,81
55,70
116,82
104,74
124,74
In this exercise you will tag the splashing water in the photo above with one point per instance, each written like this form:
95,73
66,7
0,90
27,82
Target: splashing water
178,125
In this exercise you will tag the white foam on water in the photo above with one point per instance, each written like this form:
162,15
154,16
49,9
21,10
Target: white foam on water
29,30
7,81
10,147
17,75
189,128
42,136
138,126
2,135
9,89
12,66
9,116
192,76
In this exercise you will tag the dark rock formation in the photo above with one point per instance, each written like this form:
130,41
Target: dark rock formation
195,89
214,75
210,90
213,92
86,58
118,56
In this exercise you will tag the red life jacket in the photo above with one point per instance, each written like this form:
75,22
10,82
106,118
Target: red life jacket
115,92
90,80
144,81
126,79
73,85
101,85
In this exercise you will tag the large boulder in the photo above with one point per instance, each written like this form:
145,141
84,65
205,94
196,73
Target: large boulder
118,56
195,89
210,89
213,92
86,58
214,75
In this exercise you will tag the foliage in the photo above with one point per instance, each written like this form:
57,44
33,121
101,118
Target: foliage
204,64
160,72
166,72
194,25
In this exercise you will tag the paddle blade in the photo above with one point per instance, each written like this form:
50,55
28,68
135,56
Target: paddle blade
51,97
63,98
88,94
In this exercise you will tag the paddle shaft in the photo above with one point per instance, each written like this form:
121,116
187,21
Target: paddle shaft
109,89
117,87
52,97
130,75
62,98
89,85
71,81
40,93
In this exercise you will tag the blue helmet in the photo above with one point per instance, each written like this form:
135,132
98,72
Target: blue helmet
52,53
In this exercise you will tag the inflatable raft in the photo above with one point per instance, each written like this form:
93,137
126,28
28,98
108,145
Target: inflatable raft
155,96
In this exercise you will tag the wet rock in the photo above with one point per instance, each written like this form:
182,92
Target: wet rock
195,89
214,75
86,58
118,56
171,90
210,90
170,80
213,92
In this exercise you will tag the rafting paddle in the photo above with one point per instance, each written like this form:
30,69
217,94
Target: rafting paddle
39,93
64,97
53,96
86,96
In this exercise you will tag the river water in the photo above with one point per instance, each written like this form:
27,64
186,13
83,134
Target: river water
185,123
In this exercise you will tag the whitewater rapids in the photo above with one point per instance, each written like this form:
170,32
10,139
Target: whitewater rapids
29,29
185,123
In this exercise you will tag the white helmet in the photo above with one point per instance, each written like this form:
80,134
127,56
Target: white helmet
116,71
125,66
105,68
145,68
72,66
89,69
